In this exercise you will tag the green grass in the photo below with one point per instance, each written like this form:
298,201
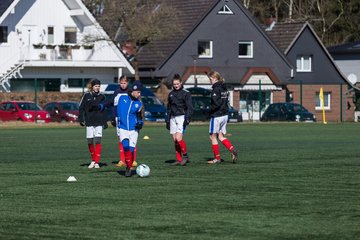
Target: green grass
293,181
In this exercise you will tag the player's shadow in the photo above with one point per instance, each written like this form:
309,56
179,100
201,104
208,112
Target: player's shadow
170,161
122,172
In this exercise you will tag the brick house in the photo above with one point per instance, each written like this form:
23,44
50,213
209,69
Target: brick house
261,65
315,69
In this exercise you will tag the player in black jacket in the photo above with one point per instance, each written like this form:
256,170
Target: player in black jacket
219,110
92,116
179,115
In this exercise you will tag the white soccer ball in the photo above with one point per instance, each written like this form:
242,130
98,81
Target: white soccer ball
143,170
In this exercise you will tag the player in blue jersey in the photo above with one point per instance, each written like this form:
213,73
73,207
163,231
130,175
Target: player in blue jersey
129,122
122,90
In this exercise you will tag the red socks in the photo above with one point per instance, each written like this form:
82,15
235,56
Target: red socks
182,146
227,144
134,155
178,151
92,151
128,158
215,148
97,153
122,154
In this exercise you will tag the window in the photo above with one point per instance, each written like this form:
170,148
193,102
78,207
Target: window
245,49
225,10
327,97
303,63
70,34
205,49
3,34
50,35
77,82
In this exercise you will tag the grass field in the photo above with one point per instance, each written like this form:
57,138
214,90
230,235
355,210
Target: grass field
293,181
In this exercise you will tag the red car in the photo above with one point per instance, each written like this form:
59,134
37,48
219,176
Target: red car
64,111
23,111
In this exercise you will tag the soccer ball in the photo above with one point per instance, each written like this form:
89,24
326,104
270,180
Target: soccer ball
143,170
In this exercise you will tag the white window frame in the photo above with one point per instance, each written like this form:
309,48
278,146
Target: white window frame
225,10
49,39
210,55
327,95
248,43
300,63
70,29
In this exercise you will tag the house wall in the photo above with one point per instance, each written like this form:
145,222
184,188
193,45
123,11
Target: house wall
237,27
323,71
309,101
105,75
28,25
348,67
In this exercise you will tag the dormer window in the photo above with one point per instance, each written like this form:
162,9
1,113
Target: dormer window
3,34
205,49
303,63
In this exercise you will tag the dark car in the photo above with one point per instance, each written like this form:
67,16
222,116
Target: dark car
23,111
154,108
287,112
201,102
63,111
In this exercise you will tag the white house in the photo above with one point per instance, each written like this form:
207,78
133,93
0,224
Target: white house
57,42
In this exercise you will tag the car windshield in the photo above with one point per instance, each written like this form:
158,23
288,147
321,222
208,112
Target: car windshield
295,108
28,106
112,87
151,100
70,106
201,102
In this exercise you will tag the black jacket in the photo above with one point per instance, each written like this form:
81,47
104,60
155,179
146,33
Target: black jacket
180,103
89,111
219,100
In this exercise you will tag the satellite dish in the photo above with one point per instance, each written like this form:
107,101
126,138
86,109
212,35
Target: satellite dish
352,78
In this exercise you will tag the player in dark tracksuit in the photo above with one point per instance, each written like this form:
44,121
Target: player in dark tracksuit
179,115
219,110
92,116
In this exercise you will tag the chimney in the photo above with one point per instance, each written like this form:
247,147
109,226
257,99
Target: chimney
270,23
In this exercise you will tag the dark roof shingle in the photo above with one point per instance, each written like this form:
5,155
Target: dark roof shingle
189,14
283,34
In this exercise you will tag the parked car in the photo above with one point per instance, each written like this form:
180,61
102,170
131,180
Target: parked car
63,111
201,102
23,111
287,112
154,108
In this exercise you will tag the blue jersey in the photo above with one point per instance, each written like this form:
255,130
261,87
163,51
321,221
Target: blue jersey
117,94
128,111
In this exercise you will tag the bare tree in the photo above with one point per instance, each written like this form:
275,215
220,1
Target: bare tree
327,14
134,23
247,3
276,5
